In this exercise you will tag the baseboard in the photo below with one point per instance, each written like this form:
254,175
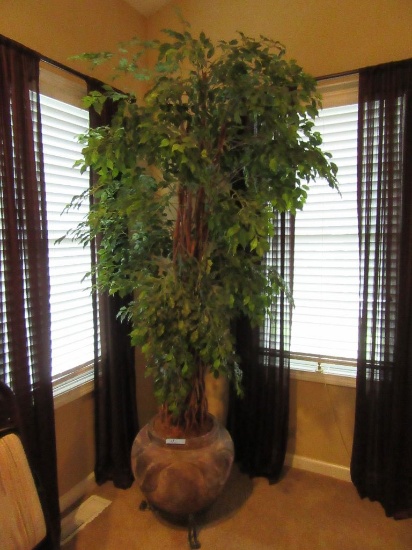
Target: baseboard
77,492
319,467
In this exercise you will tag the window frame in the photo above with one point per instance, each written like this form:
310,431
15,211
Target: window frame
63,86
336,91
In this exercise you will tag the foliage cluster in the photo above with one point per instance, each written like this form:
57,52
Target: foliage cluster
189,182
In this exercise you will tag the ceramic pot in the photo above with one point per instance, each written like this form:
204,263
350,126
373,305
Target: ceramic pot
182,476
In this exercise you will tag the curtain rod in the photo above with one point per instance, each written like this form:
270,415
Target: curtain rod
48,60
337,75
86,77
368,67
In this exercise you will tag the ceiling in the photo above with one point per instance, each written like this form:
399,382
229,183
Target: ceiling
147,7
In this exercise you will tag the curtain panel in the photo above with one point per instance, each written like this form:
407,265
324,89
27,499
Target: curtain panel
25,356
381,465
116,423
259,421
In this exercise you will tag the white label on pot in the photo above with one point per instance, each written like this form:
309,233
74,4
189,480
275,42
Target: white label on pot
175,441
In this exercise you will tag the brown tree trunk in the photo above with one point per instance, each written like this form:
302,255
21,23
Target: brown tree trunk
189,241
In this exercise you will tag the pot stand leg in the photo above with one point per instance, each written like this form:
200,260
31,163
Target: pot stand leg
194,543
192,534
144,505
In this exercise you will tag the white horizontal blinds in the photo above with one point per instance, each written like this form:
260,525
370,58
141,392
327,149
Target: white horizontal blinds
70,302
3,308
13,147
326,276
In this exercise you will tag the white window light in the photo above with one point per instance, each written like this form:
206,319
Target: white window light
72,336
326,266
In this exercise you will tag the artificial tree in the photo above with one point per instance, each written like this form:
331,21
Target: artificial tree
189,180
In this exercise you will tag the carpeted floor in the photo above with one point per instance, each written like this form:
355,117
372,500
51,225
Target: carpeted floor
304,511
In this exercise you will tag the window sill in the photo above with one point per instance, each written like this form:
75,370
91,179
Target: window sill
72,385
77,383
321,377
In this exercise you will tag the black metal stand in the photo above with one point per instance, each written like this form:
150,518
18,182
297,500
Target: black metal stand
192,534
144,505
194,543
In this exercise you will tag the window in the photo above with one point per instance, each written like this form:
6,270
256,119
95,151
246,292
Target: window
72,334
326,273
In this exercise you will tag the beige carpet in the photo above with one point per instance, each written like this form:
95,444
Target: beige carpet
304,511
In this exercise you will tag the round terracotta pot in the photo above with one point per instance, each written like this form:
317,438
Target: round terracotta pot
182,476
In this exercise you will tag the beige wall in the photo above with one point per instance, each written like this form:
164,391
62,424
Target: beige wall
325,38
75,442
59,29
321,422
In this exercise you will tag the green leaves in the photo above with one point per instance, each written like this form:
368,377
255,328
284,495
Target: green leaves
94,99
95,59
189,182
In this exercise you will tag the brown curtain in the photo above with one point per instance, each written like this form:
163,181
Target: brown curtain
116,422
25,357
259,422
381,464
